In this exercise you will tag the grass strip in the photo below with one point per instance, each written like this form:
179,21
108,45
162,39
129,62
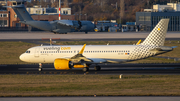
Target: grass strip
88,85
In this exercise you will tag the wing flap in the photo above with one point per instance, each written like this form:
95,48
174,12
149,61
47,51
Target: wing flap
97,60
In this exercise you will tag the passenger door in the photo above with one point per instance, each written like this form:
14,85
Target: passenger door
36,54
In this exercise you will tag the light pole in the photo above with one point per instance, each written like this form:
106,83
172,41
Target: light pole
86,16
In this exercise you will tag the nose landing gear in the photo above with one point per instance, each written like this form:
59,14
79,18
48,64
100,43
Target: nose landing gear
40,67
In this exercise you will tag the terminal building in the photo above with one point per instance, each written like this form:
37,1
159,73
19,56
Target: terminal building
148,19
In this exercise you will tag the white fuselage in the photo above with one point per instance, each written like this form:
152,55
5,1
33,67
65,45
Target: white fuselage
47,54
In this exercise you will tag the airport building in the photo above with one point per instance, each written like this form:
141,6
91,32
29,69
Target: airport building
148,19
48,11
49,14
8,18
4,18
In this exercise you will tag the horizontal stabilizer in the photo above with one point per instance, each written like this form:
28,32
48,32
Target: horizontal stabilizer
17,6
163,48
174,46
7,6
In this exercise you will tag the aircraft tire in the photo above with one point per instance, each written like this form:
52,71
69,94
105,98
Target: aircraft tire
97,68
85,69
40,69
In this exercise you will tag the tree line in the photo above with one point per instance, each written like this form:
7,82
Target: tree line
95,10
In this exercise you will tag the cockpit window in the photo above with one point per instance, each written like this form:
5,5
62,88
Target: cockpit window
27,51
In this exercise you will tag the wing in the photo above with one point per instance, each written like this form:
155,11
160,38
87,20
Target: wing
78,58
81,59
70,23
67,23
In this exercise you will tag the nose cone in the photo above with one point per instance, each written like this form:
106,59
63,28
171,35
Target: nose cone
22,57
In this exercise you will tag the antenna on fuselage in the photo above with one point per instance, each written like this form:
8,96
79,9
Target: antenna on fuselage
50,41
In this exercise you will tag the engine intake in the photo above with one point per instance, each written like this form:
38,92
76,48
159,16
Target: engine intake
62,64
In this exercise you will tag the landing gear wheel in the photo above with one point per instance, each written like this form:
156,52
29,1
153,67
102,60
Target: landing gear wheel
97,68
40,67
85,69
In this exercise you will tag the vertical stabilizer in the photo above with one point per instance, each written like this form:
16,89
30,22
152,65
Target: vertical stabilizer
158,34
22,13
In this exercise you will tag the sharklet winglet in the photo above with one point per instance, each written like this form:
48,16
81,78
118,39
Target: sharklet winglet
82,50
138,42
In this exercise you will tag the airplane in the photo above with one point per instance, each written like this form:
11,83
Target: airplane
57,26
66,57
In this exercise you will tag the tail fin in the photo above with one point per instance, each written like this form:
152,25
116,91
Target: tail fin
158,34
22,13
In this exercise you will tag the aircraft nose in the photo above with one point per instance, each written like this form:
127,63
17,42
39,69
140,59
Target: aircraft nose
22,57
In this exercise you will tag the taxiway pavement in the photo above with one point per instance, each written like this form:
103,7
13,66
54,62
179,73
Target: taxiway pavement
80,35
124,98
110,69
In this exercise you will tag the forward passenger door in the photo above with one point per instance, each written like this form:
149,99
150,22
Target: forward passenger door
36,53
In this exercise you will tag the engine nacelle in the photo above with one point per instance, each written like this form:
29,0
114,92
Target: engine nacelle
83,25
87,26
62,64
79,66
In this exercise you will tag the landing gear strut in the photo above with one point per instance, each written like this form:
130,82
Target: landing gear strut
86,68
97,68
40,66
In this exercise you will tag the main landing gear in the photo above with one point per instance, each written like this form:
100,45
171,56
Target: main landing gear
60,33
85,69
40,67
97,68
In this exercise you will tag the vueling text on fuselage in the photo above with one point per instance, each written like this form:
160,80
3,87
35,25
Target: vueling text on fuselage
57,48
